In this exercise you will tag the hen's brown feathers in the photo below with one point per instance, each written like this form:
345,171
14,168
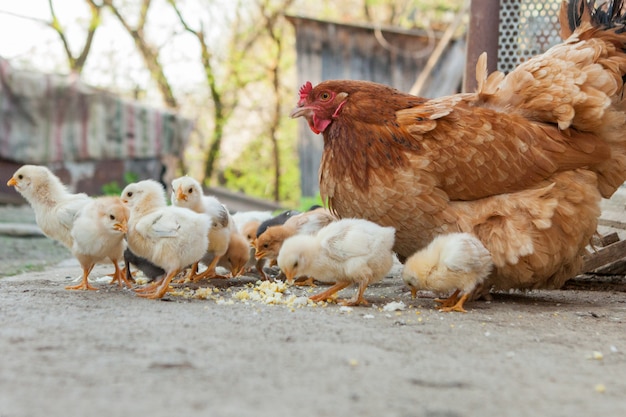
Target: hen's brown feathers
521,163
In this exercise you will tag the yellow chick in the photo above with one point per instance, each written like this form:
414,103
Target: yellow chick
346,251
55,207
237,255
269,243
453,262
187,193
98,233
170,237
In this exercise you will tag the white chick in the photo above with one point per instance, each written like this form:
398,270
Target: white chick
455,261
169,237
55,207
241,218
98,233
346,251
187,192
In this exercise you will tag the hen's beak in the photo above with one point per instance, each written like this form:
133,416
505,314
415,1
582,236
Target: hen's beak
12,182
180,195
298,111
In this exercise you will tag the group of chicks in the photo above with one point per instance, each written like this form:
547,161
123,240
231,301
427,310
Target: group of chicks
163,240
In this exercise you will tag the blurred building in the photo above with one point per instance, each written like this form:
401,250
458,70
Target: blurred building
87,136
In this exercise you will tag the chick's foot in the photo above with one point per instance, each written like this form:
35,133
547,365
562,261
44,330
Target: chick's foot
456,307
450,301
324,295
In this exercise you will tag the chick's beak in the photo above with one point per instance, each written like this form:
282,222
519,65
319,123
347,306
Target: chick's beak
121,227
259,254
180,195
289,275
12,182
413,292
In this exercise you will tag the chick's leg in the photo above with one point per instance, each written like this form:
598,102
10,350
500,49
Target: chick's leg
358,297
191,276
307,281
324,295
161,289
119,276
260,263
150,287
458,306
450,301
210,271
84,283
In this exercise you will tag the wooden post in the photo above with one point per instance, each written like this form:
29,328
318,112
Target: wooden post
482,36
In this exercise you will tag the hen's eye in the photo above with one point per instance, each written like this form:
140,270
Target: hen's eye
325,96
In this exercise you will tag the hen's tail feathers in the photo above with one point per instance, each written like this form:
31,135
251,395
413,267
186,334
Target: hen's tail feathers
576,12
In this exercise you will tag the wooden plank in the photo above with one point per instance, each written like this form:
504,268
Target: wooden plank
605,240
20,230
607,255
612,223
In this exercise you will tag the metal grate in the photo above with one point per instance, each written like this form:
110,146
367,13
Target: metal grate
527,28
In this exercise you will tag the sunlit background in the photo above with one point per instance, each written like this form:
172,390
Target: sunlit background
230,84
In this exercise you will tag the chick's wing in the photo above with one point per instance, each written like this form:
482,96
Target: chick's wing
346,242
158,225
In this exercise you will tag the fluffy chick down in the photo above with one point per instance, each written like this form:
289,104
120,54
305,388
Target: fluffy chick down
451,262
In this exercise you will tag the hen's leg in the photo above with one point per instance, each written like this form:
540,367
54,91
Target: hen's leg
84,284
458,306
161,289
450,301
324,295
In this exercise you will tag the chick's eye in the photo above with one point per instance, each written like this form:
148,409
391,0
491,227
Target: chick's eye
112,217
295,264
325,96
190,190
20,177
265,245
129,194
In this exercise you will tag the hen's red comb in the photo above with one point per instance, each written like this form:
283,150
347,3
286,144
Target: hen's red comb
305,90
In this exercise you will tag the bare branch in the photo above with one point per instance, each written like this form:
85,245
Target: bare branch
149,54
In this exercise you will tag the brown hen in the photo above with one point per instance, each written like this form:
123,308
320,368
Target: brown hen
521,163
